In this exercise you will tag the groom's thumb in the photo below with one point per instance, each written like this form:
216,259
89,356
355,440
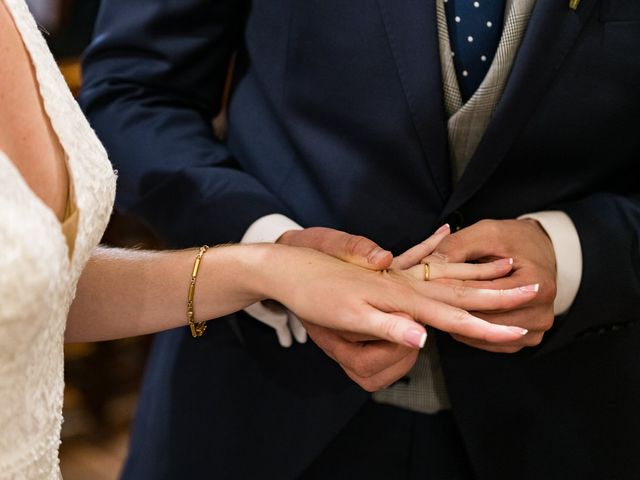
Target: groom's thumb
350,248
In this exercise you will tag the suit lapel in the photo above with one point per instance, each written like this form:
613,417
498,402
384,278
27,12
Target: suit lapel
552,30
413,38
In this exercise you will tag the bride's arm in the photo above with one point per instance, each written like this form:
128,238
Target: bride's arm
124,293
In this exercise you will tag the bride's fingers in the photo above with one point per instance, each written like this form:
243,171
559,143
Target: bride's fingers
420,251
478,299
463,271
395,328
361,337
460,322
368,332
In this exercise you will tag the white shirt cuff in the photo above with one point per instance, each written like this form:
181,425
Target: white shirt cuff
269,229
566,244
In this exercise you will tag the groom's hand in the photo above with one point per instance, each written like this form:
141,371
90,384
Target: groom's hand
371,363
534,263
350,248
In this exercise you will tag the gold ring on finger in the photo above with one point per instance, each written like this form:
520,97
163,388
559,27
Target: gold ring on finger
427,271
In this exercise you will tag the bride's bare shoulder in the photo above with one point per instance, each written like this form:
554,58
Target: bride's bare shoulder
16,78
10,41
26,135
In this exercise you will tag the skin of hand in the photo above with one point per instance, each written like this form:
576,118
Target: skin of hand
374,362
534,264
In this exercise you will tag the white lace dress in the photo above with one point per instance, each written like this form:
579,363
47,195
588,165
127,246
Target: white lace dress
37,277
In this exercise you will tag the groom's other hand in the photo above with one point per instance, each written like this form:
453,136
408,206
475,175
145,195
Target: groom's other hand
371,363
534,263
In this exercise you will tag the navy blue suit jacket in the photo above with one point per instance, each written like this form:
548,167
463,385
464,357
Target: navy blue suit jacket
336,119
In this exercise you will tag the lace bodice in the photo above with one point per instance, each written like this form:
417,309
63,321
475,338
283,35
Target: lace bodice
37,277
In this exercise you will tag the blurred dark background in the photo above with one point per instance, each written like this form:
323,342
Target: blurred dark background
102,379
70,23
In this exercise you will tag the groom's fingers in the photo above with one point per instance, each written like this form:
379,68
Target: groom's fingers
357,337
487,346
536,319
368,359
387,376
350,248
364,358
372,365
531,339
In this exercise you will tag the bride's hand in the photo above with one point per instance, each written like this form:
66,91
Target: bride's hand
337,295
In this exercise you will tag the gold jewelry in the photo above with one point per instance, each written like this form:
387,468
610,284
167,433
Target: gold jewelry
197,328
426,272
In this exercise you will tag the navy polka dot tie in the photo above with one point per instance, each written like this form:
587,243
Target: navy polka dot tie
475,27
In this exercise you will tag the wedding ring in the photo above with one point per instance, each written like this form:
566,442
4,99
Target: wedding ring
426,272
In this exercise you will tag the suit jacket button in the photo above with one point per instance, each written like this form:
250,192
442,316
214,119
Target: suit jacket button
455,220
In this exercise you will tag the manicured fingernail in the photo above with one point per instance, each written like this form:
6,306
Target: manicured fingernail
443,228
504,262
534,287
415,338
377,255
518,330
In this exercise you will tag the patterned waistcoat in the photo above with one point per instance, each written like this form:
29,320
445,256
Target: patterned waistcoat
425,391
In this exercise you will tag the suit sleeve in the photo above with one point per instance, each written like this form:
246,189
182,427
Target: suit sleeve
609,295
153,80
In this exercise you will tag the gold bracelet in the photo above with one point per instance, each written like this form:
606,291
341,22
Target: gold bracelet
197,328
